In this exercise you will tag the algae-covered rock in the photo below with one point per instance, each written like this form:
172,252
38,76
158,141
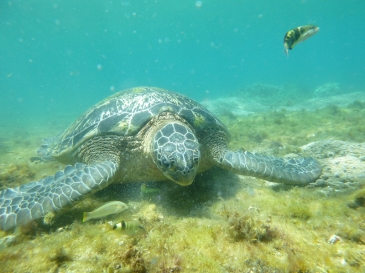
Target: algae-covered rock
344,167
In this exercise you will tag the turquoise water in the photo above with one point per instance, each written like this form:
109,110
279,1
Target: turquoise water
58,58
64,56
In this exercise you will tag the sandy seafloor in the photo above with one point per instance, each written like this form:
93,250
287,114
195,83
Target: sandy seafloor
222,222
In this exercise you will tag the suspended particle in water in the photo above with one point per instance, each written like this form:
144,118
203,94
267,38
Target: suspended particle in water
198,4
99,67
112,88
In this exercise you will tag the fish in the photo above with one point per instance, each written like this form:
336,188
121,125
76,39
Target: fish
149,192
297,35
129,228
105,210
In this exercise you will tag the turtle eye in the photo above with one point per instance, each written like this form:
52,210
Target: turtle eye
196,159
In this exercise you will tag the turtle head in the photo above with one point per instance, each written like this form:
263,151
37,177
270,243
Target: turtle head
176,152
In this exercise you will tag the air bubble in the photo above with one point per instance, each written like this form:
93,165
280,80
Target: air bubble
198,4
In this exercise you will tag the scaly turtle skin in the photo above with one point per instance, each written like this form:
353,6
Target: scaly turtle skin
140,134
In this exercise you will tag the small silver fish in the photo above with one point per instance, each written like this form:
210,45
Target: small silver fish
297,35
130,228
105,210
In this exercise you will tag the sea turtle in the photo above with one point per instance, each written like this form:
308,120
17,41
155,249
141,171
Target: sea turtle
140,134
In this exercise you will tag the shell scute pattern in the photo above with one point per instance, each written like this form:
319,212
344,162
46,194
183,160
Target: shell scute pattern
126,112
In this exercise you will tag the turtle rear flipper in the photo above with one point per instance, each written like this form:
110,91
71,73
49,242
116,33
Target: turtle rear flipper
296,171
34,200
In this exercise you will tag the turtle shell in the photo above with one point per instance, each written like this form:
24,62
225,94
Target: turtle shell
126,112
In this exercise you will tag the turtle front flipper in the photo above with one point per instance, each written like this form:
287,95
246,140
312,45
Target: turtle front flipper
300,171
34,200
44,153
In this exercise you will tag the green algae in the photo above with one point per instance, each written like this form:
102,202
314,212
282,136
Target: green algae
359,198
289,130
221,223
254,227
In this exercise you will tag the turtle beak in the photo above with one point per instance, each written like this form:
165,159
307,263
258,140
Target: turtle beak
182,179
184,168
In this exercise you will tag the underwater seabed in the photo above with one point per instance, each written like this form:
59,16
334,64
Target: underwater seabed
222,222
